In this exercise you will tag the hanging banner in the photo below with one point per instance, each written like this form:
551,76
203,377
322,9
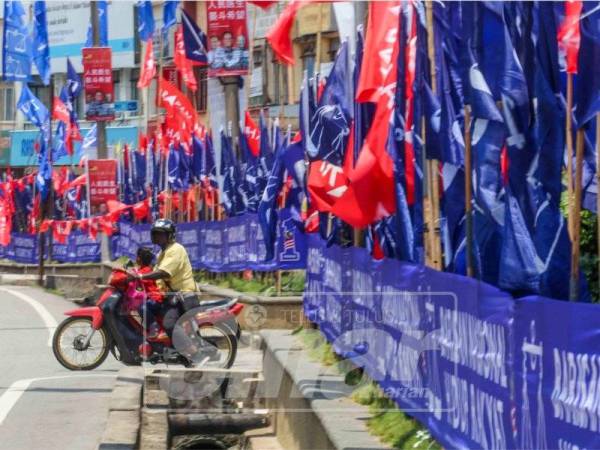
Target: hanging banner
228,38
98,82
103,183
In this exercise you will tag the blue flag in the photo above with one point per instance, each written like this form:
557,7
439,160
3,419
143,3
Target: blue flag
103,26
330,123
209,170
587,91
174,177
267,209
145,20
43,178
74,85
34,110
295,166
170,13
16,50
40,47
248,174
194,40
59,148
197,158
230,194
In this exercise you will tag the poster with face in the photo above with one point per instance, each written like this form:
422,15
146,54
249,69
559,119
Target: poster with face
227,38
98,83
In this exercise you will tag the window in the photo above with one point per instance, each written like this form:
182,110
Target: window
201,95
117,84
308,58
134,75
7,102
280,83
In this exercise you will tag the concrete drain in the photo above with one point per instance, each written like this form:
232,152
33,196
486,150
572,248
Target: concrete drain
230,442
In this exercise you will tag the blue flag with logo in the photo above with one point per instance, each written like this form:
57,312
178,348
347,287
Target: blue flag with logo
173,168
102,24
34,110
145,20
44,175
40,47
209,170
170,13
16,50
197,157
74,85
59,148
230,195
194,40
267,208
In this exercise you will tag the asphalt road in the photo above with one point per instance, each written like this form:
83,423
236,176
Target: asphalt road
43,405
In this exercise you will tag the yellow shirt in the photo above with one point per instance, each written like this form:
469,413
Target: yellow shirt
175,261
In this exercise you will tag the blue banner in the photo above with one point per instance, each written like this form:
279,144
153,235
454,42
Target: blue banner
79,248
478,368
230,245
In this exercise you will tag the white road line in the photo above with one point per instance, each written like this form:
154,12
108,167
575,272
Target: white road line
12,395
48,319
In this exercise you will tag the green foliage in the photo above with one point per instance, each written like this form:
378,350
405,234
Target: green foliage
292,282
387,422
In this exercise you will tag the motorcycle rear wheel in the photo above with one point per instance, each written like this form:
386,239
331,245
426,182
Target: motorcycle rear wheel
71,333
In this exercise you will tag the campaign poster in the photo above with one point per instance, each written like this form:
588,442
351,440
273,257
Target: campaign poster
228,38
103,183
98,82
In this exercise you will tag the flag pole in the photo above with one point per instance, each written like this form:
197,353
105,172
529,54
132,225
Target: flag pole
576,209
434,183
468,192
569,139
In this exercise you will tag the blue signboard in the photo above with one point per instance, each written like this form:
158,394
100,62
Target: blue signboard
22,146
126,106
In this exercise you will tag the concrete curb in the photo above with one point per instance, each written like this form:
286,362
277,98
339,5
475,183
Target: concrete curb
123,425
310,402
248,298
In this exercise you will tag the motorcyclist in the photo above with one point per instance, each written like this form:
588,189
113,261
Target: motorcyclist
173,273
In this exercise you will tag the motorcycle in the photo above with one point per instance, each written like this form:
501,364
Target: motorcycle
84,339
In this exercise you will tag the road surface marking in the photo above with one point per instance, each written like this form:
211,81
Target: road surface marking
12,395
48,319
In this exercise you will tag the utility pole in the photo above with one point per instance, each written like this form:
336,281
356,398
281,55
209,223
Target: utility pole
100,124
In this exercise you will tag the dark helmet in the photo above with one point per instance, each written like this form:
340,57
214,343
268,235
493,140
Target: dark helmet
163,226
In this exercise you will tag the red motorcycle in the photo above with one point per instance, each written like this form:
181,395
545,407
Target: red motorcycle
89,334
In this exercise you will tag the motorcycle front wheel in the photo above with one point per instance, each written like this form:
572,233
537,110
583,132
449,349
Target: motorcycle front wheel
69,346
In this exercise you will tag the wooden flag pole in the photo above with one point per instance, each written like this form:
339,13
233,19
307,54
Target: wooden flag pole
468,192
576,240
569,140
434,182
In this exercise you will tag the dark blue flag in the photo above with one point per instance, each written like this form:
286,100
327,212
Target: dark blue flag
230,195
173,169
170,13
267,209
331,120
194,40
209,170
587,91
197,158
40,48
103,26
145,20
16,50
74,85
293,161
59,148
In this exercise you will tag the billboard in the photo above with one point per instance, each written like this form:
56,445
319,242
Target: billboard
228,38
98,83
103,181
67,32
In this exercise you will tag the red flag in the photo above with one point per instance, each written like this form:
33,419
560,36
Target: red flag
178,106
409,151
263,4
106,225
5,223
141,209
148,71
378,70
60,111
183,64
279,35
115,209
46,225
252,133
61,230
142,142
569,36
326,184
81,180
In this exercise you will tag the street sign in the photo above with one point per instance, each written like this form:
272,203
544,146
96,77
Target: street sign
126,106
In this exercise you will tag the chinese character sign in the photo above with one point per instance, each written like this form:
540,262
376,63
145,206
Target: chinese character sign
228,38
103,183
99,92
